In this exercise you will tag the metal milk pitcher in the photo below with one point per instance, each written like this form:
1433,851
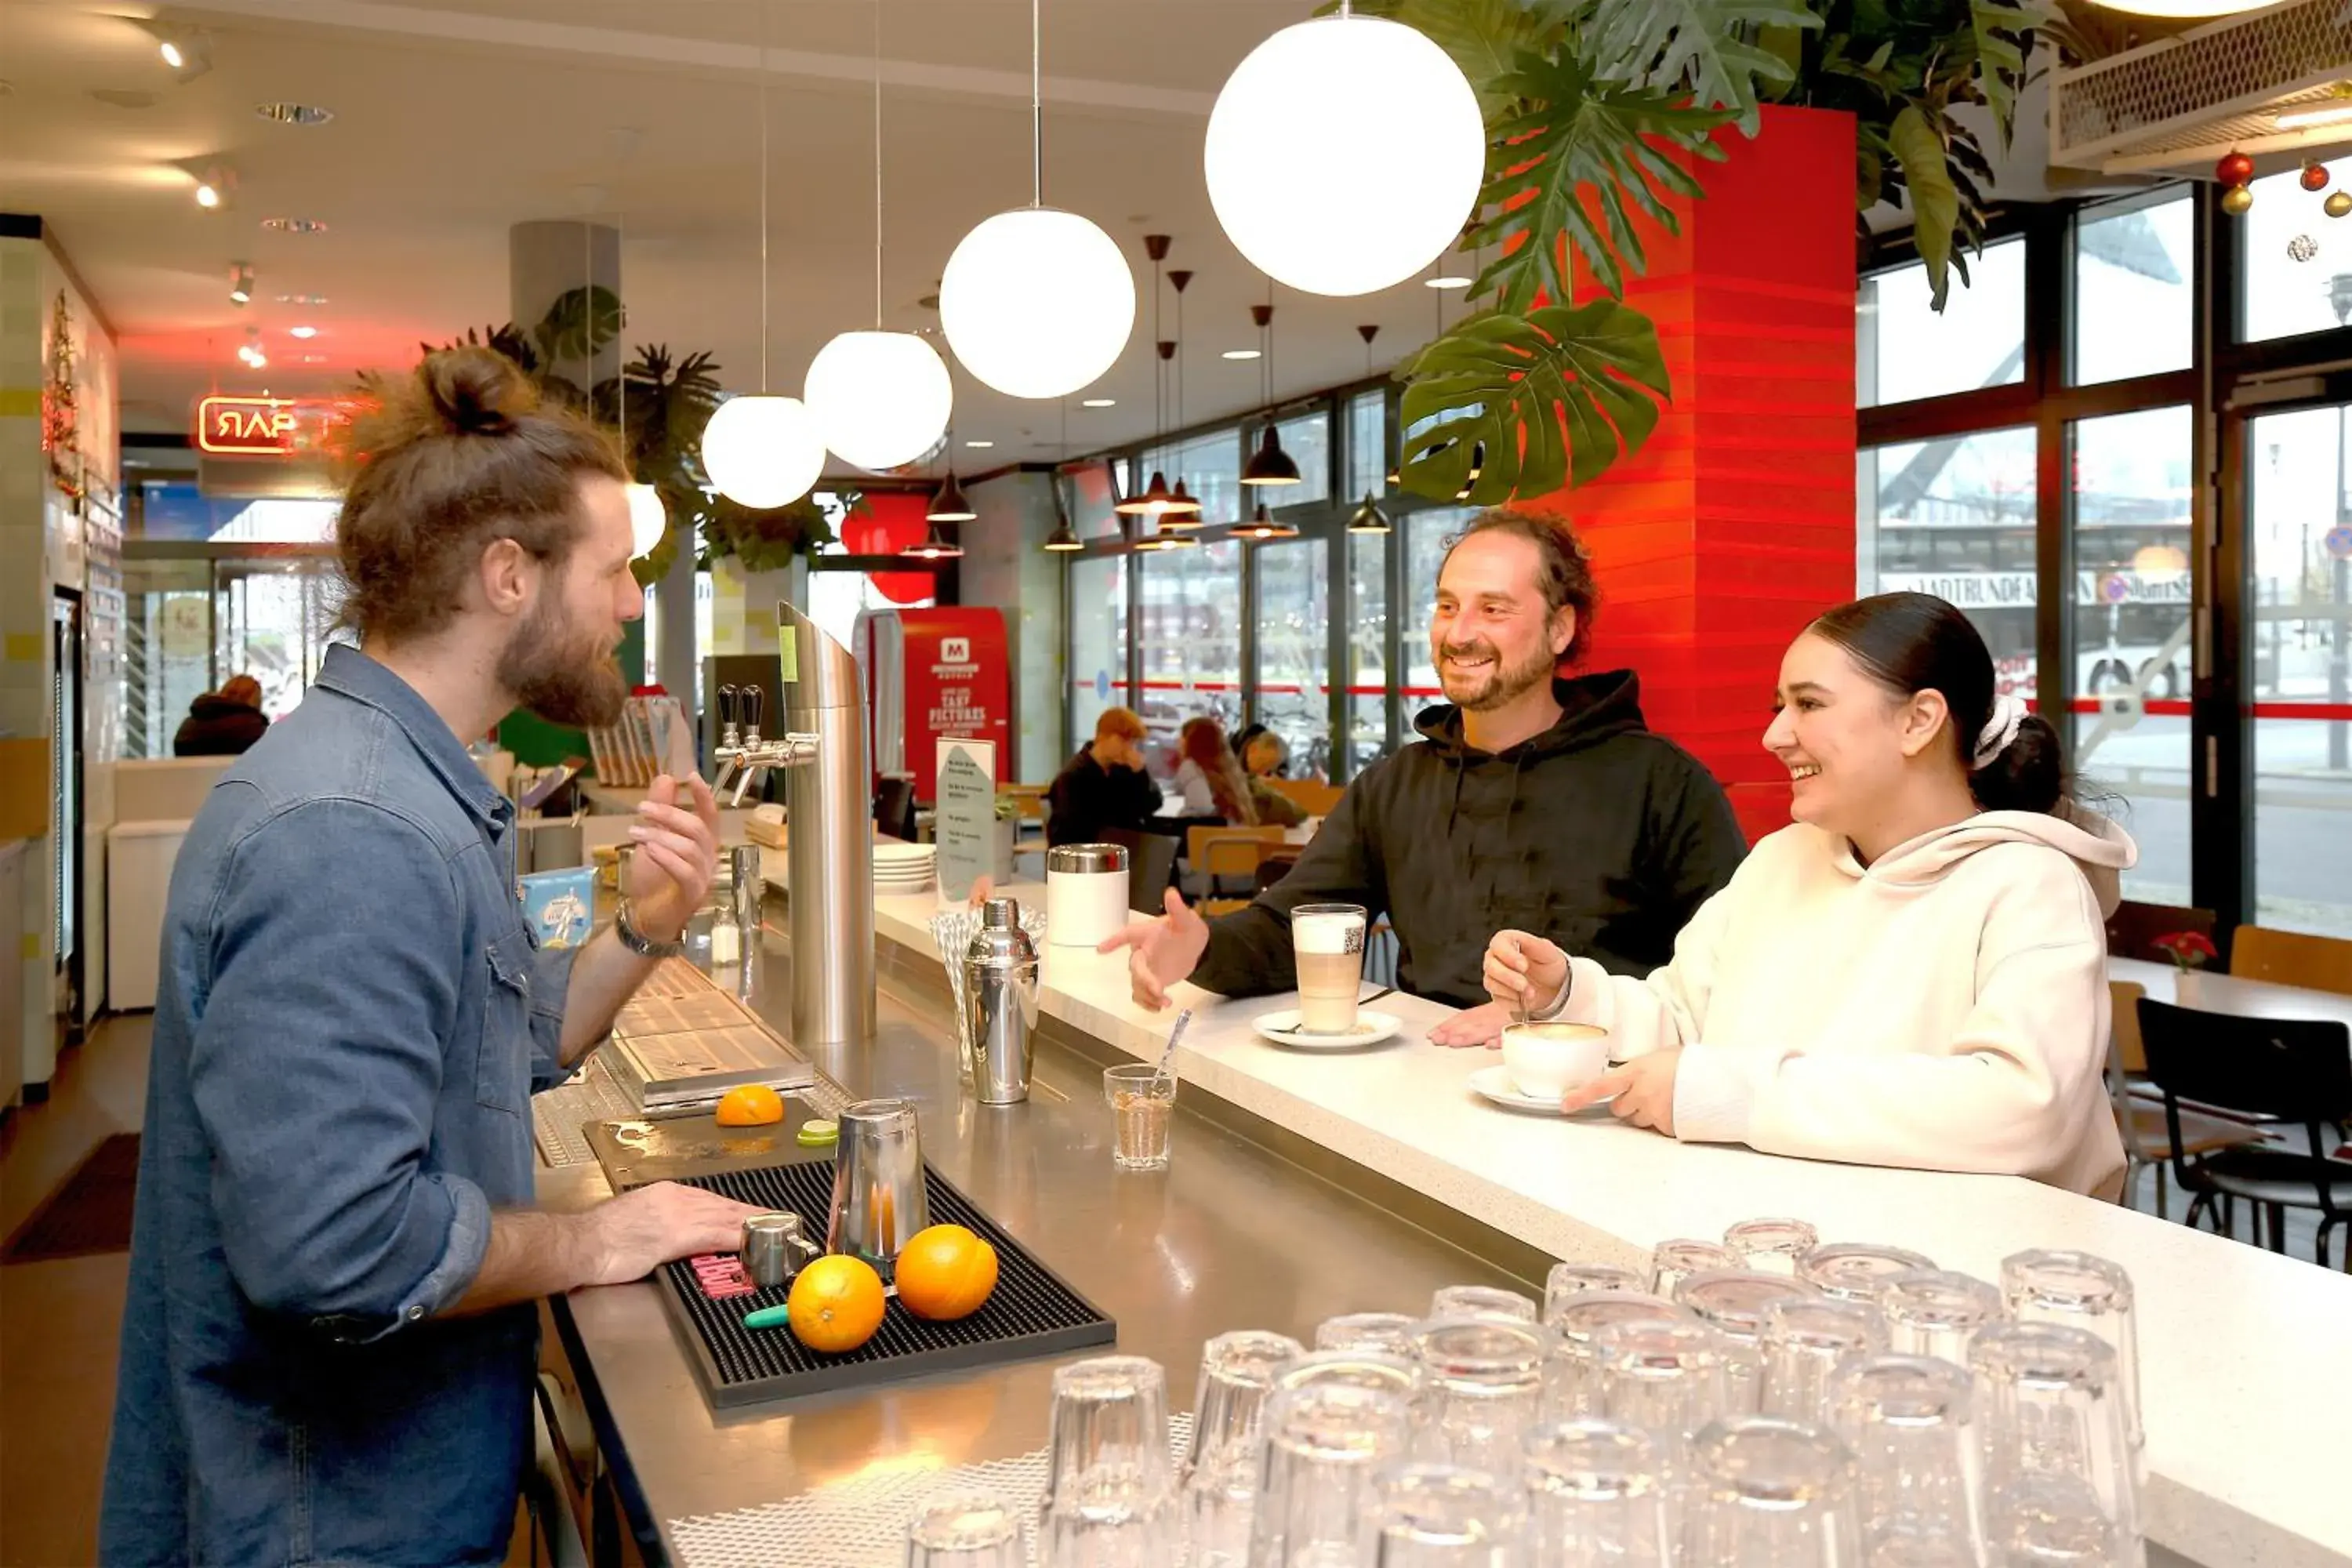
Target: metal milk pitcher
878,1198
1000,1002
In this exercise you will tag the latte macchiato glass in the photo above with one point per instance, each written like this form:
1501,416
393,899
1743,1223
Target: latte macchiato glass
1329,942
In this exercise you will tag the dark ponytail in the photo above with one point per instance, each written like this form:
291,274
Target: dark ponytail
1911,643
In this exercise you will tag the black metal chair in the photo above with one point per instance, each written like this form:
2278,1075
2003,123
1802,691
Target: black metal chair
2297,1071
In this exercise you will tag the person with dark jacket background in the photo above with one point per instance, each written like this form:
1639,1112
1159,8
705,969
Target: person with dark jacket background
1530,793
1105,785
223,724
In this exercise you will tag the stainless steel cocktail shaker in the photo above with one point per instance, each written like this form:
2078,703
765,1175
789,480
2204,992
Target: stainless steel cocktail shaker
878,1198
1000,1000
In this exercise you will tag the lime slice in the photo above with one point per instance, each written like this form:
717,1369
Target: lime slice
815,1134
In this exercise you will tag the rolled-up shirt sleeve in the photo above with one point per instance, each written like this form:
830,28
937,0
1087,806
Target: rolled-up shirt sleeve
316,1067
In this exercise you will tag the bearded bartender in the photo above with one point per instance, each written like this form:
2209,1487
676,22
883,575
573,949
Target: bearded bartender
329,1343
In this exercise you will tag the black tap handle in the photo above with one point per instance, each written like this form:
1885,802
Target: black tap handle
755,702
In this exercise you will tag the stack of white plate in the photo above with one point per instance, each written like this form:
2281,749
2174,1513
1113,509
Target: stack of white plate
904,868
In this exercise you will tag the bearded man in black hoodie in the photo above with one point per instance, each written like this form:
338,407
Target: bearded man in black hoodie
1533,802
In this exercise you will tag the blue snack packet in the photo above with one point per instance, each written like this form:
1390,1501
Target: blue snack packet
560,907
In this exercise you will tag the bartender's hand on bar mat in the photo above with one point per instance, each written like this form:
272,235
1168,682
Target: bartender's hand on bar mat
1160,951
639,1231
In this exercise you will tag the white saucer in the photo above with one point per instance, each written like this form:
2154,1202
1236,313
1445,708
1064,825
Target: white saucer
1494,1083
1370,1029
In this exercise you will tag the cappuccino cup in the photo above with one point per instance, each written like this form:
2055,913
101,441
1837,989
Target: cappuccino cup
1546,1060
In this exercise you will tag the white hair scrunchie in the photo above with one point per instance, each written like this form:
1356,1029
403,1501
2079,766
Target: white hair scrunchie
2008,712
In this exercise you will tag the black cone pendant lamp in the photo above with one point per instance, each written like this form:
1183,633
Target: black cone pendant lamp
1269,465
1064,540
1264,526
1369,518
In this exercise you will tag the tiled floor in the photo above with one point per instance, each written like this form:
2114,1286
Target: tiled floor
58,1322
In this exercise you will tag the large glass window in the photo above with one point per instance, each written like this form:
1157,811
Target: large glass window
1211,467
1307,438
1191,640
1367,630
1426,535
2132,624
2280,295
1098,641
1955,517
2133,295
1905,349
2298,617
1087,493
1294,664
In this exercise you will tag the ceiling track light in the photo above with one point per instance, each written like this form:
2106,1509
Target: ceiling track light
186,52
213,183
240,283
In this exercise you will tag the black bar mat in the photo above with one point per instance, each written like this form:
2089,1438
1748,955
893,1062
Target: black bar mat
90,1211
1031,1312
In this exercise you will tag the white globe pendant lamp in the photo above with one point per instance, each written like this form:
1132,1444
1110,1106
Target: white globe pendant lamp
648,519
1037,302
1389,132
762,450
881,398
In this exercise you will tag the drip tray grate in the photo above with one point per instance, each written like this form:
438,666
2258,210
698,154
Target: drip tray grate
1031,1314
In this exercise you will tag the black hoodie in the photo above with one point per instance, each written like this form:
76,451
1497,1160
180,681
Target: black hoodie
217,727
1596,834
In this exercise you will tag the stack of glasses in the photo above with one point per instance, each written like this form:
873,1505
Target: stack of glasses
1768,1402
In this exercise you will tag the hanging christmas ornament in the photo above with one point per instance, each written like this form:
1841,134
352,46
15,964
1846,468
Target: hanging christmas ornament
2337,204
2302,247
2234,169
2236,200
2315,174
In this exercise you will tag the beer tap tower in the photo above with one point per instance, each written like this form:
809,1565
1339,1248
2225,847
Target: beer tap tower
828,818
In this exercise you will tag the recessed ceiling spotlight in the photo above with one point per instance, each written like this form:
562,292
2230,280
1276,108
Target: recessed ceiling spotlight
314,359
1447,280
240,283
305,333
301,299
1240,354
294,224
1098,403
979,445
250,351
294,113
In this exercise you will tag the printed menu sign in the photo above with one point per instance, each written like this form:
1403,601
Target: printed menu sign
966,825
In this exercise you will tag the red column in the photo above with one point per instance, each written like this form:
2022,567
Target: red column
1734,526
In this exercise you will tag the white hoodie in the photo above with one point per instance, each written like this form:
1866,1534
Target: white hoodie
1945,1009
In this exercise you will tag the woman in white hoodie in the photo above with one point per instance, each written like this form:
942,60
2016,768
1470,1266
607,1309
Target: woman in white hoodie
1914,973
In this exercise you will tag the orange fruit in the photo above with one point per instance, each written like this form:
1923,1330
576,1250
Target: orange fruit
837,1304
751,1105
945,1273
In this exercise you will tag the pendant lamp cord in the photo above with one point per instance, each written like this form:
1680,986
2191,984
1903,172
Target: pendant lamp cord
765,11
1036,109
877,162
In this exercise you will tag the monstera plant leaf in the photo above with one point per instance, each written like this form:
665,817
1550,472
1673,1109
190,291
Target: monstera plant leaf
580,322
1510,404
1710,50
1577,135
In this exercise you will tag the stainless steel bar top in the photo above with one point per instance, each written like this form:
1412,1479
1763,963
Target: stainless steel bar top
1232,1234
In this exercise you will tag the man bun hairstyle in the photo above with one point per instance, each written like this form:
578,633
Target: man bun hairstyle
1564,572
444,461
1911,643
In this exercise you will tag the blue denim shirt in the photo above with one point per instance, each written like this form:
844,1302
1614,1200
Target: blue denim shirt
351,1017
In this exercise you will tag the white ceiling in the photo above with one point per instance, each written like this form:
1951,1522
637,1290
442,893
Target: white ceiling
456,119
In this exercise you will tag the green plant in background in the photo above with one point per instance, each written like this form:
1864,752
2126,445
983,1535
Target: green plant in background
668,401
1599,111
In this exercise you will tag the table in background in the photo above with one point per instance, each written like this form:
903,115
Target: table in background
2210,990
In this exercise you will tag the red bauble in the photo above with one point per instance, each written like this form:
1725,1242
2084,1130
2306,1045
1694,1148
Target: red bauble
2315,176
2234,169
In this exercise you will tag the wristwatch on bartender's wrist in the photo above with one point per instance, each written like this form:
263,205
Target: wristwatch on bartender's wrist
638,943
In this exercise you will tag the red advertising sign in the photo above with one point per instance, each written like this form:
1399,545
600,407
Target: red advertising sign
264,427
956,686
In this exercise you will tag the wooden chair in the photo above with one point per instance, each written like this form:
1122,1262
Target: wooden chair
1313,796
2292,958
2148,1141
1218,853
2133,929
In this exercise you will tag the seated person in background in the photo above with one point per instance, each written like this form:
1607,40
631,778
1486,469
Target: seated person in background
1263,754
1914,973
1105,785
1209,776
1529,792
223,724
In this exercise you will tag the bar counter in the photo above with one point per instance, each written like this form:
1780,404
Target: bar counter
1307,1185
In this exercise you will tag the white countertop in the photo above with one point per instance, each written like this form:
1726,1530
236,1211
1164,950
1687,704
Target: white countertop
2245,1355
